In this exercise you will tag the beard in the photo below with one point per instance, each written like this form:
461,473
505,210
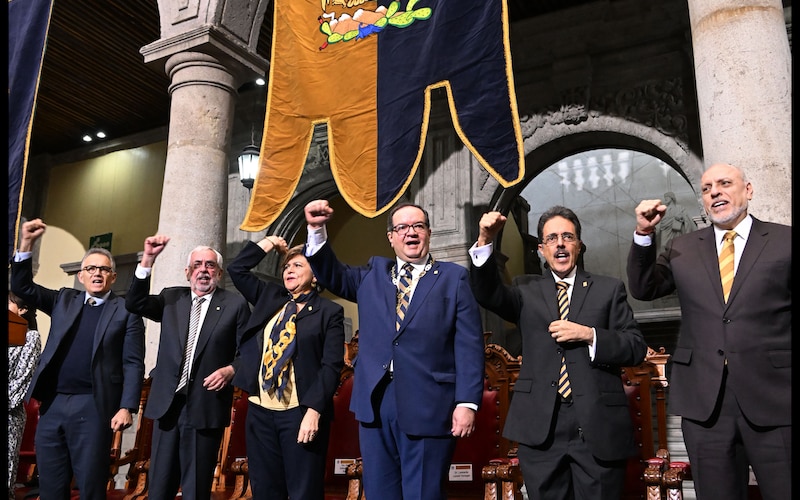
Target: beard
725,219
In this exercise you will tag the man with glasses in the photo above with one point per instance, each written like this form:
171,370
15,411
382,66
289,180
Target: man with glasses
569,412
191,394
419,369
89,377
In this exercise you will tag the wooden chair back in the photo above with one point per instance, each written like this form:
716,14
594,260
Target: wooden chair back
137,458
233,449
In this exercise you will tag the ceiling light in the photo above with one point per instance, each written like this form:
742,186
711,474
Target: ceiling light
87,138
100,135
260,82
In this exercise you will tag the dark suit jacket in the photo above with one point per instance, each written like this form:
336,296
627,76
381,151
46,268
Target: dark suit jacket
599,398
219,336
117,353
319,357
437,353
753,330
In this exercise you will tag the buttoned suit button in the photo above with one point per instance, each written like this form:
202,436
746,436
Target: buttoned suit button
726,320
720,352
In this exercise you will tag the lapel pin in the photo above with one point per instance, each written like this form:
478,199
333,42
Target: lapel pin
585,284
436,271
218,306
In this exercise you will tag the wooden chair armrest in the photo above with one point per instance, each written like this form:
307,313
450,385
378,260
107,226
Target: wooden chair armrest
674,476
355,487
241,483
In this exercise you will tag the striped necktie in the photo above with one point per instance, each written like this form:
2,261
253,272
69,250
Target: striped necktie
191,340
564,388
726,264
403,293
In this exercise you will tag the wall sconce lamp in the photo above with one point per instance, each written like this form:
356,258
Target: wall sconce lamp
248,164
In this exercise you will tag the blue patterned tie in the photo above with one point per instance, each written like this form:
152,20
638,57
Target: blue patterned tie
564,388
403,293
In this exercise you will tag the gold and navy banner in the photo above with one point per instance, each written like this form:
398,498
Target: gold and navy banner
28,21
366,68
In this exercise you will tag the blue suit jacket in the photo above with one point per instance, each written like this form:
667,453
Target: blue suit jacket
753,330
117,353
225,319
437,353
319,358
599,398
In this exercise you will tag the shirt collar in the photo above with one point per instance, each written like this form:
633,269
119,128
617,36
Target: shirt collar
570,278
99,301
206,297
417,267
742,230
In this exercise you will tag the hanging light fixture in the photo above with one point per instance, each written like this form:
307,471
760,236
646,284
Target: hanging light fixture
248,162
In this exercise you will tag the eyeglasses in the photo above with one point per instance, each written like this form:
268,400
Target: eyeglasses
403,229
104,270
209,264
552,238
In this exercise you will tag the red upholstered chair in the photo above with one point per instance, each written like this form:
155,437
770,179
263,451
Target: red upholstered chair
645,385
26,472
343,447
486,443
231,479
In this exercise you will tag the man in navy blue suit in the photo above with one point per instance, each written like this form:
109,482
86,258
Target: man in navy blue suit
419,371
89,377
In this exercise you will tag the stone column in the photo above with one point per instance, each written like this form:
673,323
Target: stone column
743,64
208,49
195,193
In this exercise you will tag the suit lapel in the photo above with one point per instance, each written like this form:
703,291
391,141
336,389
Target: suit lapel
109,310
707,250
756,242
72,310
549,293
311,307
213,314
583,281
423,287
184,307
389,292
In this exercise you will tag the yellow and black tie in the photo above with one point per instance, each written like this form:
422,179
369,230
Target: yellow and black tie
726,263
564,388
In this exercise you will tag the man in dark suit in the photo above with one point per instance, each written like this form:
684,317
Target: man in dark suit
419,371
191,396
731,370
89,377
569,412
